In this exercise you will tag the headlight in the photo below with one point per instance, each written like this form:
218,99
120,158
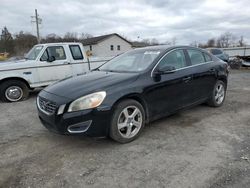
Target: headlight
87,102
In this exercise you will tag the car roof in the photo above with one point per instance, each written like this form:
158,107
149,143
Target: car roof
167,47
60,43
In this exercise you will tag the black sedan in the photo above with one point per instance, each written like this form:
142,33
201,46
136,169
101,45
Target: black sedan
131,90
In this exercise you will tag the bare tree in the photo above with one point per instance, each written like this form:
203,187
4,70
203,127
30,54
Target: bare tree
211,42
85,36
6,41
24,42
70,37
241,42
174,39
226,40
154,41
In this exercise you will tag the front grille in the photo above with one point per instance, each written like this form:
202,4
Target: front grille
47,106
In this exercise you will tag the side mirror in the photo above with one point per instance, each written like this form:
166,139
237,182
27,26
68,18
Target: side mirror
51,58
165,70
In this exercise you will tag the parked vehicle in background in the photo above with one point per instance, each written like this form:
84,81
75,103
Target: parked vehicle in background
137,87
218,52
43,65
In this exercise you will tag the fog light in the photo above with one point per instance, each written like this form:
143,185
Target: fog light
61,109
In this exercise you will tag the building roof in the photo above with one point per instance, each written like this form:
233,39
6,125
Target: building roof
95,40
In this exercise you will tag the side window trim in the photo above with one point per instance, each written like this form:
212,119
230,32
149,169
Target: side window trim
185,51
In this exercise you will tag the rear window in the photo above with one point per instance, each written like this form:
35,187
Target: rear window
76,52
216,51
196,57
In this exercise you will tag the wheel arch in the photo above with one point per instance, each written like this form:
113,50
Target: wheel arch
16,78
223,79
137,97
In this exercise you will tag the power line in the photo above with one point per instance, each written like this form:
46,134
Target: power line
38,21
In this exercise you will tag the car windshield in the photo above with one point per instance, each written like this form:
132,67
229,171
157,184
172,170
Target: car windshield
216,51
34,52
132,61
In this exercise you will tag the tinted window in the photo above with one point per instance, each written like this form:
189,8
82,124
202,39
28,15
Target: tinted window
207,57
216,51
175,59
56,51
196,57
76,52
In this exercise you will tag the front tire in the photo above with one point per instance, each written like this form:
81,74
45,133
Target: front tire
218,94
128,121
13,91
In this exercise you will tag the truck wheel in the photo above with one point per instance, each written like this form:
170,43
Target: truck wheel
127,122
13,91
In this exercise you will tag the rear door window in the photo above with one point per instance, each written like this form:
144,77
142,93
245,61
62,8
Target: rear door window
196,57
76,52
207,57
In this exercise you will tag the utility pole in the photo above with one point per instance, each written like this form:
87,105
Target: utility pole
38,21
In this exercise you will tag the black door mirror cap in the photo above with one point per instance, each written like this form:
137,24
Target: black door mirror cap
166,70
51,59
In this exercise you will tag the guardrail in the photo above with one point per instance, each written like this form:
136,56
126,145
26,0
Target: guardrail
237,51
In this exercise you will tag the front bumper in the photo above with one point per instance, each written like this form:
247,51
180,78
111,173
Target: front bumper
92,122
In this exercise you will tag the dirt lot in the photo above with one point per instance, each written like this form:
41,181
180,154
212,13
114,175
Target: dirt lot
200,147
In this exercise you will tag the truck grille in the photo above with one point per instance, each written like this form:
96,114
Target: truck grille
46,105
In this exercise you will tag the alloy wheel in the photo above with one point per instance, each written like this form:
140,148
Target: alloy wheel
219,93
129,122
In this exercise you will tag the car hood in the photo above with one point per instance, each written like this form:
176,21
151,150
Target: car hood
78,86
10,65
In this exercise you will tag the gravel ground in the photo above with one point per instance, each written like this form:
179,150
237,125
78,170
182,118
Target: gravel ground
199,147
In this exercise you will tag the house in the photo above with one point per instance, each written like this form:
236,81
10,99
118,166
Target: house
107,45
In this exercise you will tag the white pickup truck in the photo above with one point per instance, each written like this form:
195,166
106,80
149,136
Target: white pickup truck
43,65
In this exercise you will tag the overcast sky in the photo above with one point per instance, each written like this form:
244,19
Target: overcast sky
187,20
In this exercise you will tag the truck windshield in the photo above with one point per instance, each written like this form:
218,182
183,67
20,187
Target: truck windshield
132,61
34,52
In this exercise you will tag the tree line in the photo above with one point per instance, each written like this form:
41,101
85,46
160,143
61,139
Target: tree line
225,40
19,43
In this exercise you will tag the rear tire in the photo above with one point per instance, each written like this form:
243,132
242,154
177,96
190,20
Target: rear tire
13,91
218,94
127,122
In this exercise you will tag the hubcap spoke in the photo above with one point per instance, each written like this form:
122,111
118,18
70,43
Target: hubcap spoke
136,124
129,130
122,125
135,112
125,112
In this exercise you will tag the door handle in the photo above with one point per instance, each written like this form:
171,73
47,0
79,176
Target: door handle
187,79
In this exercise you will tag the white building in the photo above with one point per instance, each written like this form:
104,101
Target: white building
107,45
